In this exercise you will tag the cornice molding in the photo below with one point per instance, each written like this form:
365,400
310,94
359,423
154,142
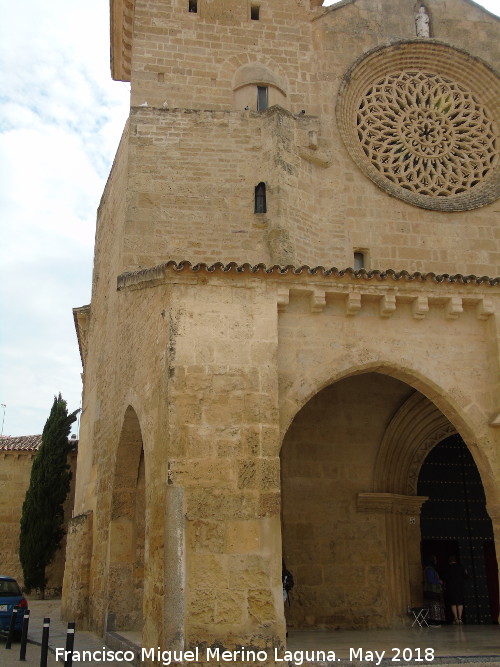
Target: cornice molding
121,31
81,317
161,271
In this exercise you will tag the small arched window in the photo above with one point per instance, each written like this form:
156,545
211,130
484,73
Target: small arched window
262,98
260,198
359,260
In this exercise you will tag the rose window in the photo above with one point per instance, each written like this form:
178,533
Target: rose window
421,120
426,133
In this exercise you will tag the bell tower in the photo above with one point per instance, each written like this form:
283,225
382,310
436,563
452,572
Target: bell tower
222,94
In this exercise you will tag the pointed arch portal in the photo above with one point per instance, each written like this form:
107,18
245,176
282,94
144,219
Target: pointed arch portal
127,530
351,502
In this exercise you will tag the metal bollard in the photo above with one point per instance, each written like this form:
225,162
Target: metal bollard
12,625
70,642
24,635
45,642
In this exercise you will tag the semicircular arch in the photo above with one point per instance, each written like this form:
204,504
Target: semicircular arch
242,70
257,73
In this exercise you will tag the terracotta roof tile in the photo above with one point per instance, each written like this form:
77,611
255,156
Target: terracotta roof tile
29,443
156,272
26,443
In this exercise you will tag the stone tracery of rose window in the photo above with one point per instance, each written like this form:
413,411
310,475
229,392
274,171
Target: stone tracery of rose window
426,134
421,119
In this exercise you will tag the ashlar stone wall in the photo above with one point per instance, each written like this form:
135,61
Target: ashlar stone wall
242,362
320,208
15,472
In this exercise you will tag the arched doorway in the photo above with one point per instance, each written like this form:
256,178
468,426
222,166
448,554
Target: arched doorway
337,554
350,505
127,531
454,521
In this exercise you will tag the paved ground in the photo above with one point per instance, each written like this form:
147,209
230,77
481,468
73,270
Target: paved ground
404,643
84,641
11,658
453,645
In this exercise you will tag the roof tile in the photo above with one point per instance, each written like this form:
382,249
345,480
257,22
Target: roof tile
29,443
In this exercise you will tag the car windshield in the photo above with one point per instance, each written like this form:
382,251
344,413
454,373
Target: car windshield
9,588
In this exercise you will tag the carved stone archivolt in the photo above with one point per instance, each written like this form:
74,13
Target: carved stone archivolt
424,131
414,430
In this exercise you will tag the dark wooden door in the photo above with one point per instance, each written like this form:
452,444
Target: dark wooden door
454,521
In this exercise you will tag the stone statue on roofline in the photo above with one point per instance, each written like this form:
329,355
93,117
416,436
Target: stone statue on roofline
422,22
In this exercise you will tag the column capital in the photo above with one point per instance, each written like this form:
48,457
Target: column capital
389,503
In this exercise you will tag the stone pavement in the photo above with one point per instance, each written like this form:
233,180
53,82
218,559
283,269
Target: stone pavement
84,641
10,658
453,645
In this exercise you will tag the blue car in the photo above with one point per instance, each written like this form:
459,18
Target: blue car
11,596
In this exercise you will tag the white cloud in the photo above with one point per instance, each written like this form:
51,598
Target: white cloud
61,118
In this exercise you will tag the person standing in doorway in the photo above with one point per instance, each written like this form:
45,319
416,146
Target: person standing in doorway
287,581
433,593
454,578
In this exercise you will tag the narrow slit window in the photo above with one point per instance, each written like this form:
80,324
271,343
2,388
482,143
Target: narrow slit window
254,12
260,198
359,260
193,6
262,98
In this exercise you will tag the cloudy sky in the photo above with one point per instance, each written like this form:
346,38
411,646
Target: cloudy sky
61,118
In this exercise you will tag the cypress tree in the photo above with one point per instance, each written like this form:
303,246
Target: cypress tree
42,520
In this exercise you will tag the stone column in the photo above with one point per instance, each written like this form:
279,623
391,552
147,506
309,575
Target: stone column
175,567
402,518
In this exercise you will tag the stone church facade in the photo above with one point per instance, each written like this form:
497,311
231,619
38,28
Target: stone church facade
244,401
